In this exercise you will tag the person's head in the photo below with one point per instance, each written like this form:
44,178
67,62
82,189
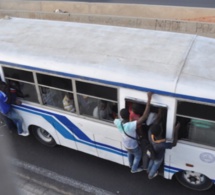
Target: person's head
124,113
137,108
3,86
103,105
69,95
85,98
155,130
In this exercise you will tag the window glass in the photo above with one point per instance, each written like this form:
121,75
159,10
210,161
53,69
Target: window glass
86,104
18,74
97,101
196,110
197,122
56,82
96,108
21,84
97,90
59,99
56,92
202,132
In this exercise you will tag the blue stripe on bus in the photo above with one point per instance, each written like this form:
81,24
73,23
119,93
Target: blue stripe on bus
70,129
173,168
79,133
170,169
113,83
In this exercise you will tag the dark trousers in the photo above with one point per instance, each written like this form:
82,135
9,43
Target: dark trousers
145,158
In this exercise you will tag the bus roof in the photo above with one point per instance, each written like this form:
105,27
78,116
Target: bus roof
171,63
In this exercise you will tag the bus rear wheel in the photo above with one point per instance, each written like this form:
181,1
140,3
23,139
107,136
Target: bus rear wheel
194,180
43,136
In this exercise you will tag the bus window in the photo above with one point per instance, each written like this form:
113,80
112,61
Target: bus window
56,92
23,82
158,114
52,97
97,101
197,122
86,104
202,132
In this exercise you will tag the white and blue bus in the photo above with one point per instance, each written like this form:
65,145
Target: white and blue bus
96,63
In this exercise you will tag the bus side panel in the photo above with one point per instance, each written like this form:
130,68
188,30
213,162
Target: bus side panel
49,121
191,157
79,144
37,120
74,135
109,153
95,138
82,134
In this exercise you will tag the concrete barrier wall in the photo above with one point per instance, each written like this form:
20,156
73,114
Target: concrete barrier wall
127,15
131,10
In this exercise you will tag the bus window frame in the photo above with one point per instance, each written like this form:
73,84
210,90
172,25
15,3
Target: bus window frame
154,104
33,83
74,91
187,127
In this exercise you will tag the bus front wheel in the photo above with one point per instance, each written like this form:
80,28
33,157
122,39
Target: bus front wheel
43,136
194,180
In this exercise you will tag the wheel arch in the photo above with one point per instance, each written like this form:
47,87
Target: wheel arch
52,132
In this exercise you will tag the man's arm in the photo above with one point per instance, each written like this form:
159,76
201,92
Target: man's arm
146,111
6,90
157,141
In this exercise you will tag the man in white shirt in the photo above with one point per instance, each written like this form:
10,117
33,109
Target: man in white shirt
129,135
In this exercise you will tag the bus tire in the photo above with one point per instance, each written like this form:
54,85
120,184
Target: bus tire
43,136
194,180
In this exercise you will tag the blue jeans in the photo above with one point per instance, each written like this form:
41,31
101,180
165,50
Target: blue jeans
134,158
16,118
154,166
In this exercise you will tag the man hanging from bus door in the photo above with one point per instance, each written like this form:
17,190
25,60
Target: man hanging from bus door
128,132
7,110
159,145
136,111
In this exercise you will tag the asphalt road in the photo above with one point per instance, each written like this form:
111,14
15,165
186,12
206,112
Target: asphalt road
186,3
85,170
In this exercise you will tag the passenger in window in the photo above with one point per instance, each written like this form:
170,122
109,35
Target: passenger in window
114,110
47,96
103,111
7,110
86,105
129,136
155,117
159,146
68,103
52,97
16,88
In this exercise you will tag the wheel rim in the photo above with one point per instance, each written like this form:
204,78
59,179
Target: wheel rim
194,178
44,135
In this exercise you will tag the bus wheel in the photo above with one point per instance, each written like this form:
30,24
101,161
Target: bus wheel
194,180
43,136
